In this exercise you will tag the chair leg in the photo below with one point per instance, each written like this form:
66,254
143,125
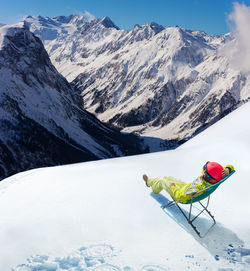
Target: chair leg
208,212
188,218
171,203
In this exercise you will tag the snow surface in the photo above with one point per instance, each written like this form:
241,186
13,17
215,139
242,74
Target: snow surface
100,215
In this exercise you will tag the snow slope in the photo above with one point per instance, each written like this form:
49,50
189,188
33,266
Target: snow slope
100,215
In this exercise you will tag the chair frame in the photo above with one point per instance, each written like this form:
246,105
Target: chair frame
197,197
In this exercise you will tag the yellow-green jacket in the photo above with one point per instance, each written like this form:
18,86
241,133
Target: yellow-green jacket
183,192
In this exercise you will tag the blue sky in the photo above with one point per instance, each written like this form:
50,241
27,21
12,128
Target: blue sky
207,15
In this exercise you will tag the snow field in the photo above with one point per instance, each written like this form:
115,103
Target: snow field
56,211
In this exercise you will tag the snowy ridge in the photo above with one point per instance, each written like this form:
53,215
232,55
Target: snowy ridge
100,215
6,30
50,28
161,82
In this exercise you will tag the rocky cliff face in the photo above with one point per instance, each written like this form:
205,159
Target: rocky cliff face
42,122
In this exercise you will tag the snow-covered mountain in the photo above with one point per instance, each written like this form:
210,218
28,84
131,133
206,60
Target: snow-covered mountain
164,82
41,119
49,29
100,215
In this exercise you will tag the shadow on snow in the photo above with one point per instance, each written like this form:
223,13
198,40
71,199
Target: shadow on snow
220,241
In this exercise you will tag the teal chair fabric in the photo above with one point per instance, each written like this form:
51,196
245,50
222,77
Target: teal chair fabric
209,190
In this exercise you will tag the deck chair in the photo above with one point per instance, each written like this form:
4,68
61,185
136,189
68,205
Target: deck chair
197,197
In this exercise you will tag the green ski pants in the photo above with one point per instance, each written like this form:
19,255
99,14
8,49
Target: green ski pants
159,183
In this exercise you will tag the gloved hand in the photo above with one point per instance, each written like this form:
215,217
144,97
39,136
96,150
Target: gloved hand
225,172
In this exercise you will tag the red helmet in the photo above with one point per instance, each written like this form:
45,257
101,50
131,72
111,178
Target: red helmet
214,170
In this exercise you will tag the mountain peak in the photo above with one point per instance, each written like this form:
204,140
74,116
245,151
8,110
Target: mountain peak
76,19
64,19
157,28
137,26
107,22
8,31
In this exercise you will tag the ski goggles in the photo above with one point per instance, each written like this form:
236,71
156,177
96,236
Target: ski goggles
207,177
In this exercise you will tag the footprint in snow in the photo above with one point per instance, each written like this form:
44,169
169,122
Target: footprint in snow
106,267
97,257
101,250
153,268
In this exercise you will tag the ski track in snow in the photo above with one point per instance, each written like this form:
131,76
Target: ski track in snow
102,257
